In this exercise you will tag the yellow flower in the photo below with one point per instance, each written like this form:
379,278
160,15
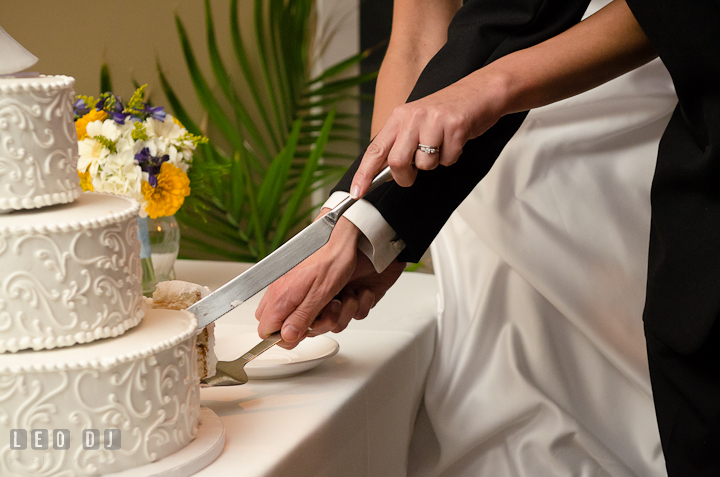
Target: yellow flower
81,124
173,186
177,121
85,181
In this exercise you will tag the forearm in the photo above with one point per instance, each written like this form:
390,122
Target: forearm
419,31
598,49
478,36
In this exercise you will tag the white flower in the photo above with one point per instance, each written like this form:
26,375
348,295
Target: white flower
156,146
119,174
108,128
168,129
90,152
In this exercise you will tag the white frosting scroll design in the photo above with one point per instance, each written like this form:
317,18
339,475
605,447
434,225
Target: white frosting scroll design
68,287
38,144
153,399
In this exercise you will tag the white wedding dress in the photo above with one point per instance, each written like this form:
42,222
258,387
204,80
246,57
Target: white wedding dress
540,367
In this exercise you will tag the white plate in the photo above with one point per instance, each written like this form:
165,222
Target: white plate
276,362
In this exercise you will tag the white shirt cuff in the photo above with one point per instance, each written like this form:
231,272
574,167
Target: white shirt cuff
378,241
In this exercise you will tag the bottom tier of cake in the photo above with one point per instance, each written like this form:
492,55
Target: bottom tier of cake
104,406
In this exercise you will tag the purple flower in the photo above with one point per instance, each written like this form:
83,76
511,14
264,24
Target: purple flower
113,105
150,164
80,108
156,112
119,118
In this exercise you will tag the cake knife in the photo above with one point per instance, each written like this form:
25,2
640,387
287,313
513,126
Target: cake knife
301,246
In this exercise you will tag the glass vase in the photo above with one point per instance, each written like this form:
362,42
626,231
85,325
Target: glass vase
164,235
148,273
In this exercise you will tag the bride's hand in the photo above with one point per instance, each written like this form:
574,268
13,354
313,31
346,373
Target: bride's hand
444,121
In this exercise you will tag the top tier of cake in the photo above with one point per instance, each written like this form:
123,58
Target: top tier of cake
38,142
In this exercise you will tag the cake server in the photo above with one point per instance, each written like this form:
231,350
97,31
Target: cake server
301,246
231,373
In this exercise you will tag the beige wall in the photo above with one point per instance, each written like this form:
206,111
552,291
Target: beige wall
74,37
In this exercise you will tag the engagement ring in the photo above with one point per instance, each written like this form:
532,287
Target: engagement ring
428,149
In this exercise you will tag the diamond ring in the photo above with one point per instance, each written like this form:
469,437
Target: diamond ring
428,149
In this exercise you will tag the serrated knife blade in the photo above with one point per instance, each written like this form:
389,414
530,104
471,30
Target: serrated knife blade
301,246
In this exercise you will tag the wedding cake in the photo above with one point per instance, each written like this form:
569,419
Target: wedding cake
90,381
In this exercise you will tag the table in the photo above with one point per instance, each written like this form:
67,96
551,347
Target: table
352,415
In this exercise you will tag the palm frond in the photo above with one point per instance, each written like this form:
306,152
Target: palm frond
253,181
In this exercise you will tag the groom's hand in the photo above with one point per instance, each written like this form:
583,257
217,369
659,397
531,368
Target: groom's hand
325,291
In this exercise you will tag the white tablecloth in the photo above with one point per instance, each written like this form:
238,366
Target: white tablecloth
352,415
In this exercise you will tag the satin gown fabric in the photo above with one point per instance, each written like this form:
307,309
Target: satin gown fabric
540,366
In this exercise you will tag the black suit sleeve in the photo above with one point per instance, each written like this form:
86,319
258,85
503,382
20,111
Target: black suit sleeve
481,32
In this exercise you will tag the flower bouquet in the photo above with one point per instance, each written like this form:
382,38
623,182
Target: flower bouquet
136,150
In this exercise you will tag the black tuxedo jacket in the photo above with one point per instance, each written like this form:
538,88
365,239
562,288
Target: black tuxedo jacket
682,303
683,294
481,32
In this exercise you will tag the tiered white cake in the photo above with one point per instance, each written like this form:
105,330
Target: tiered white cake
70,276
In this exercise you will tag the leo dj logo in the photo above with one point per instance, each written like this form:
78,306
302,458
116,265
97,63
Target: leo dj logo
40,439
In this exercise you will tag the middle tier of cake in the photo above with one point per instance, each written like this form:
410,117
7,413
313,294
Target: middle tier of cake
70,273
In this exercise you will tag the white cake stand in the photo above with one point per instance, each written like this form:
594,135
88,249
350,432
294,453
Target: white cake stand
201,452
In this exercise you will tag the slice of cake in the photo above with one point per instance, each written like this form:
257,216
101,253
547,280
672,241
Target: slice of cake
179,295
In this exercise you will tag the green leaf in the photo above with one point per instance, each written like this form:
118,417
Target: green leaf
209,102
413,267
247,198
328,155
105,83
343,65
322,115
223,79
275,180
251,195
218,67
306,180
315,127
237,182
341,85
262,49
278,56
244,64
210,220
305,140
177,107
332,100
208,248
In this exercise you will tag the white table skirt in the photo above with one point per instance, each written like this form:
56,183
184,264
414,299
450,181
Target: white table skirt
352,415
